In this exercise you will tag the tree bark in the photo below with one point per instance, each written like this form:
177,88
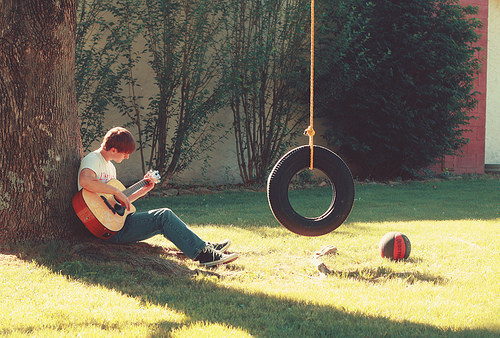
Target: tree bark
40,145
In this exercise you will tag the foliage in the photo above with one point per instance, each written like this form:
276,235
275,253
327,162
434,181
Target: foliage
396,82
205,56
181,47
102,35
265,40
181,38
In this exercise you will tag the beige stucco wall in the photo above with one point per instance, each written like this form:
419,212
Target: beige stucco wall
492,145
218,166
221,168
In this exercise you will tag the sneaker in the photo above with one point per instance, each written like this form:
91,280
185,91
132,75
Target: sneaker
221,246
210,257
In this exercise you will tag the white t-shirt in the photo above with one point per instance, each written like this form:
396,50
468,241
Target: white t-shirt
105,170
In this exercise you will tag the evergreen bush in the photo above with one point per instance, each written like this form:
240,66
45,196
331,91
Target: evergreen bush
395,82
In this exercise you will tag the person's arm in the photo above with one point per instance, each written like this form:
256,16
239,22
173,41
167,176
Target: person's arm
88,180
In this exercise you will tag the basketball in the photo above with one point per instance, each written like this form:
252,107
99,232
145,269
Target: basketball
394,245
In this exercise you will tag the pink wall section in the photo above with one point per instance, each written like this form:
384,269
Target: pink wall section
472,159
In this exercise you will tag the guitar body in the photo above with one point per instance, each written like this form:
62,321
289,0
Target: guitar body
101,214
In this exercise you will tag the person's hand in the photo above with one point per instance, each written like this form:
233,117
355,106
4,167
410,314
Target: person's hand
148,187
144,190
123,200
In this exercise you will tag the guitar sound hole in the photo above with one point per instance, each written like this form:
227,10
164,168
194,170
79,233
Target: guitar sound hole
120,209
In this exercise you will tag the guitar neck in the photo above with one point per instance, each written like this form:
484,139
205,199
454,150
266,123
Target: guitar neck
133,188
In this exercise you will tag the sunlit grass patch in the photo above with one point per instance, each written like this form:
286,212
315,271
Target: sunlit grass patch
204,329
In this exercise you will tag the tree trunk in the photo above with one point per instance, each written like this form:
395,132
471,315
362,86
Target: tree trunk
40,145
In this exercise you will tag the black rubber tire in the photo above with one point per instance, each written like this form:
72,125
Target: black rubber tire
342,185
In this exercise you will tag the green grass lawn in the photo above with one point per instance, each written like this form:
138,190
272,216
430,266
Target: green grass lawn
449,286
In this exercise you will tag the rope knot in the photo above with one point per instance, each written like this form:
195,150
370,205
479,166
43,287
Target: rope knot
309,131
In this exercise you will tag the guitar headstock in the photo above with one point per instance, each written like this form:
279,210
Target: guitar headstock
153,175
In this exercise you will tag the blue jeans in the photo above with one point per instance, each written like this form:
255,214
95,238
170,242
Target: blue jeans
144,225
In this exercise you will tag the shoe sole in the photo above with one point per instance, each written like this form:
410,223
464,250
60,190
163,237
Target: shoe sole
228,259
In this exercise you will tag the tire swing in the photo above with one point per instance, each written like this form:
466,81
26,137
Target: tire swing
317,157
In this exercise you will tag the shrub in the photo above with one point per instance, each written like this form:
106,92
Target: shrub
396,83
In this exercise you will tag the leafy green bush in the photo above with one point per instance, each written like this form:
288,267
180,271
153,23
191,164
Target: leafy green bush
179,40
395,81
102,36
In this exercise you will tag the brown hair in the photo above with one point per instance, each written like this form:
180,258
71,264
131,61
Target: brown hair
120,139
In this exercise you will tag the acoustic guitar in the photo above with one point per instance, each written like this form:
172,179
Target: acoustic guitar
102,214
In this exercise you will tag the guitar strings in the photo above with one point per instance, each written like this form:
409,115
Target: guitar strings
133,188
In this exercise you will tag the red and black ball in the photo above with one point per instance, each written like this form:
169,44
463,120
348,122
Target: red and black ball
394,245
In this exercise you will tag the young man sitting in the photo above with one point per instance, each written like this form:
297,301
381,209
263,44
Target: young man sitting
97,169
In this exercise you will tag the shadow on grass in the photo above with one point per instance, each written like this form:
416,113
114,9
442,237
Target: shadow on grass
382,274
202,300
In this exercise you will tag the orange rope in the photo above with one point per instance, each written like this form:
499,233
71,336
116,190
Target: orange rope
310,130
